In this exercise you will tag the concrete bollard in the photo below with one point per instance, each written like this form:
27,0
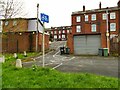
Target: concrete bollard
15,55
18,63
3,59
25,54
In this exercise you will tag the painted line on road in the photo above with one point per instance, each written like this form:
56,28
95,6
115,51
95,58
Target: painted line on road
69,59
42,56
56,53
57,66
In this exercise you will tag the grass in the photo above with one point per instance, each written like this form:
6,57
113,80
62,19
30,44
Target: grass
37,77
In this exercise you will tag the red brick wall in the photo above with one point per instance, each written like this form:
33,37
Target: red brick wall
101,26
70,43
22,25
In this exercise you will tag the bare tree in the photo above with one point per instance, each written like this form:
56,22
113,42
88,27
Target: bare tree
11,8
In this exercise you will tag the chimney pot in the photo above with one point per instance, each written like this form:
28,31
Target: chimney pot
84,8
100,5
118,3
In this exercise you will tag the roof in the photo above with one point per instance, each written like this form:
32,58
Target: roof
96,10
22,19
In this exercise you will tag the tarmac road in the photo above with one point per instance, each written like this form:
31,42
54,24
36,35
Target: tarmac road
107,66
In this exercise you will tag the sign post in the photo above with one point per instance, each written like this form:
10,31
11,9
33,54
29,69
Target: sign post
44,18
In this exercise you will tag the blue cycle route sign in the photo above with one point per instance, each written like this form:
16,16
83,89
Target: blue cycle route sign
44,17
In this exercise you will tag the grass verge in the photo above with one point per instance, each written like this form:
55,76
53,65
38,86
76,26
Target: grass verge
36,77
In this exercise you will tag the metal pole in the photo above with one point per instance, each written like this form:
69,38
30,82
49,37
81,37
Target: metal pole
37,28
107,32
43,45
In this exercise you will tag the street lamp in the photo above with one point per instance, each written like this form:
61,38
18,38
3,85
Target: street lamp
107,32
37,28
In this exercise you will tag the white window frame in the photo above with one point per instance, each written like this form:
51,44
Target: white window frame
63,31
78,28
68,31
14,23
6,23
51,32
59,32
59,36
55,32
86,18
63,36
112,15
93,17
93,28
78,18
104,16
0,26
112,26
55,36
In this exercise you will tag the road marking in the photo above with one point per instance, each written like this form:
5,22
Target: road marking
48,64
56,53
57,66
69,59
42,56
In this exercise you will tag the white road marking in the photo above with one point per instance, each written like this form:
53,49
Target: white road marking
56,53
57,66
69,59
42,56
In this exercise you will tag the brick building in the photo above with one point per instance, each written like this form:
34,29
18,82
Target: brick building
94,29
59,33
19,34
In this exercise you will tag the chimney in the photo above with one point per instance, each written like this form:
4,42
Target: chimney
100,5
118,3
83,8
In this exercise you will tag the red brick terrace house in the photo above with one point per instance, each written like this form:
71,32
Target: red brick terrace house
59,33
94,29
19,34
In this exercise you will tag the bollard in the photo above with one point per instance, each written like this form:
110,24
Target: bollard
3,59
15,55
25,54
18,63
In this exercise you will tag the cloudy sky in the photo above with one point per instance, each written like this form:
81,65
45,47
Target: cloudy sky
59,11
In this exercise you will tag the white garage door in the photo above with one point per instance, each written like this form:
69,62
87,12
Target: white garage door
87,44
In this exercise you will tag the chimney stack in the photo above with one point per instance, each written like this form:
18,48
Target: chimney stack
83,8
118,3
100,5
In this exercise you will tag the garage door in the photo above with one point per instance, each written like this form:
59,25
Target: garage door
87,44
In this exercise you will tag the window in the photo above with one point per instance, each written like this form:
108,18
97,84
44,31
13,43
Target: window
93,27
86,17
55,32
0,26
14,23
55,36
0,23
104,16
78,19
6,23
63,36
112,15
78,28
59,32
59,36
63,31
112,26
93,17
51,32
68,31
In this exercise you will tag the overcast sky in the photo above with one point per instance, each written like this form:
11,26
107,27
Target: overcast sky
60,11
